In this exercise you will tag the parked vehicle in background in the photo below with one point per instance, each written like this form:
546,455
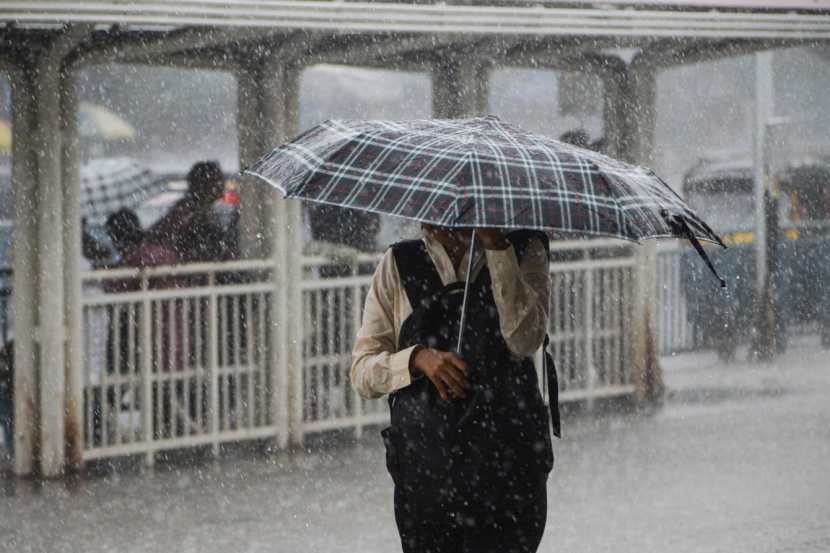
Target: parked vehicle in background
807,187
724,192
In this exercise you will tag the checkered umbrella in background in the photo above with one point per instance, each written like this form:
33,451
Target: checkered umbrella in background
478,172
110,184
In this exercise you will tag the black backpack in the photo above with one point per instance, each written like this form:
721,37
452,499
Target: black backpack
477,449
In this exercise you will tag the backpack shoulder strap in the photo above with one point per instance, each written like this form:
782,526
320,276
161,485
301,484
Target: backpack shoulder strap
520,239
418,274
552,385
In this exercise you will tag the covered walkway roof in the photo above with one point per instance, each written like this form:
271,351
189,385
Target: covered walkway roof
546,33
802,19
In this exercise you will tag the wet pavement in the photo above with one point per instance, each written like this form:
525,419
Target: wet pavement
738,459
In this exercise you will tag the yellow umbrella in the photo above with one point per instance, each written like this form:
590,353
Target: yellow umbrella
96,121
5,137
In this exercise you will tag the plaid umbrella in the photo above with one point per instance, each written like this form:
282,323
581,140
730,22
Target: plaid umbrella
478,172
110,184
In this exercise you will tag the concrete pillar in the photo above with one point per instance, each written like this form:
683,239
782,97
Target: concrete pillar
24,186
39,279
271,127
636,111
291,212
614,74
272,226
639,112
282,226
71,184
51,301
253,239
459,87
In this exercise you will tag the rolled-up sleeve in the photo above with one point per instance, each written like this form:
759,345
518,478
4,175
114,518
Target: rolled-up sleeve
522,295
377,367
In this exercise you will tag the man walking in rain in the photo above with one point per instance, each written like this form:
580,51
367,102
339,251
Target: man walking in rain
469,448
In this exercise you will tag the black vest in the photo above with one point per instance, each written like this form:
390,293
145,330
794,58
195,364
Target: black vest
478,449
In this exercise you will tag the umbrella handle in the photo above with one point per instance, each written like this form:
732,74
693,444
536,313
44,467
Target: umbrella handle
463,321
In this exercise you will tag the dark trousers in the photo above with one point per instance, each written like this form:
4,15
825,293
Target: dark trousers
513,525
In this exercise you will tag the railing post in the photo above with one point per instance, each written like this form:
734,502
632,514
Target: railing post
294,313
213,338
146,338
590,369
357,310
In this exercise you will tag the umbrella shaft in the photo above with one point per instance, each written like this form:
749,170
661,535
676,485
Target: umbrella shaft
470,262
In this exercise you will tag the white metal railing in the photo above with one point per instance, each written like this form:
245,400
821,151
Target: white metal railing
332,306
185,356
591,300
674,331
177,356
591,305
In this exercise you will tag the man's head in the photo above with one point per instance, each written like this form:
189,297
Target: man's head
205,182
124,230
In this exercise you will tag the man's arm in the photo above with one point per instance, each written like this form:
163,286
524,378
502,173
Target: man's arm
522,294
377,367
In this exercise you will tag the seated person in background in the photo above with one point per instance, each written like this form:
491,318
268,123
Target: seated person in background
190,229
124,230
135,250
94,254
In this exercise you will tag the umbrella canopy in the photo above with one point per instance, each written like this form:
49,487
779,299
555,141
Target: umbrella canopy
94,122
478,172
110,184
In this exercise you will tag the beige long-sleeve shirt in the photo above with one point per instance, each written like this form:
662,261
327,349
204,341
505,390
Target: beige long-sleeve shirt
521,292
